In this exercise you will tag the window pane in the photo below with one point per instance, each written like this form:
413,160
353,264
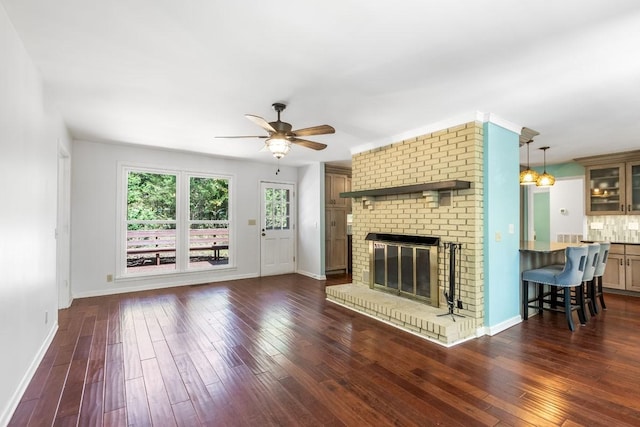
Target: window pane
151,196
151,247
208,199
208,245
277,209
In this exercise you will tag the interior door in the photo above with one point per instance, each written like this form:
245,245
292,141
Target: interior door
277,246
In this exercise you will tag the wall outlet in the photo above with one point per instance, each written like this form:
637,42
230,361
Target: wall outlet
109,277
597,226
633,226
512,229
498,237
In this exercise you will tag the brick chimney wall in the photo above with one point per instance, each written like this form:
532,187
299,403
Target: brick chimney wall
453,153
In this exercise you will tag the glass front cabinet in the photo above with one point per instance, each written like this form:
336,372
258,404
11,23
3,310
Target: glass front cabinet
633,188
613,189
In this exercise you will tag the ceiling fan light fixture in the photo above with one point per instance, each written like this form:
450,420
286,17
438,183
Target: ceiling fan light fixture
279,147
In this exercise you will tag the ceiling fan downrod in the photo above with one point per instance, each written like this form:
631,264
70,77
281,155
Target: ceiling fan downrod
279,107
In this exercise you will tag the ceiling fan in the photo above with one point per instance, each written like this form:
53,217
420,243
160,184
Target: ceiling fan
281,136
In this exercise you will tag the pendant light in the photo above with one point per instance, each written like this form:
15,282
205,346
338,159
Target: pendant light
546,179
528,176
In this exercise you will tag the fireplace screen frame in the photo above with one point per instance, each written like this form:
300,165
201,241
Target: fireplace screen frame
401,243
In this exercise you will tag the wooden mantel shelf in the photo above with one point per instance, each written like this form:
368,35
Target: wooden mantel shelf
406,189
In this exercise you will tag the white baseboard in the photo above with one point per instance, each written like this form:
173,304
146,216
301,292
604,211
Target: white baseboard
312,275
9,409
492,330
148,284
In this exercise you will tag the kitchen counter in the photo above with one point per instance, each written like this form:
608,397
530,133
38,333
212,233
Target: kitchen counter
612,242
544,247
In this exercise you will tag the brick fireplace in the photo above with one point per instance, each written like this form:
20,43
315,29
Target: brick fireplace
451,154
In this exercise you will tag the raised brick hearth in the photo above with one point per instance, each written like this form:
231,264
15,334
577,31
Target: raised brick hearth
412,316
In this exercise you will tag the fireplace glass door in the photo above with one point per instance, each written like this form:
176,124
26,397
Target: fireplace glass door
405,270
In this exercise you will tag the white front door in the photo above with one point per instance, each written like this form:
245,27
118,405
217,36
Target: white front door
277,246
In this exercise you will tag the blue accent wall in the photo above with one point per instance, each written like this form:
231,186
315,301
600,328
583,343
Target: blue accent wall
563,170
502,209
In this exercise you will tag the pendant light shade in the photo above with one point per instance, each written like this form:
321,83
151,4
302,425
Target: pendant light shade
546,179
528,176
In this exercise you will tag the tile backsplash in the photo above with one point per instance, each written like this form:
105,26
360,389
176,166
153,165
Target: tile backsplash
614,228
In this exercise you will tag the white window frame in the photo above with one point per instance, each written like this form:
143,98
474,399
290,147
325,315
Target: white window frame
182,221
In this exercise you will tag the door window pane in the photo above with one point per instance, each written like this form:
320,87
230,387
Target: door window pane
277,209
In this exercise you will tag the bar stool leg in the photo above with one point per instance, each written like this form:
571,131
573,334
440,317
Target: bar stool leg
540,298
525,300
567,308
580,302
591,291
588,301
600,293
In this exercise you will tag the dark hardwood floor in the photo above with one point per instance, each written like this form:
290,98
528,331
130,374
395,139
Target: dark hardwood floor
272,351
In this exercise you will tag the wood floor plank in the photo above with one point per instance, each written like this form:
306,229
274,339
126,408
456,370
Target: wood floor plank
115,418
157,397
137,404
272,351
172,380
114,395
46,409
91,413
185,414
23,413
207,408
97,355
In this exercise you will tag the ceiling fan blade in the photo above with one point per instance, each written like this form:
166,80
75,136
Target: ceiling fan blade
243,136
260,122
315,130
309,144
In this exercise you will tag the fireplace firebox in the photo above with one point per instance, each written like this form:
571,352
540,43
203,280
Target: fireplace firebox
404,265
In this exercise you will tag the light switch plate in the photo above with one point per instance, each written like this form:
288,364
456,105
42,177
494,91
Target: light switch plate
633,226
597,226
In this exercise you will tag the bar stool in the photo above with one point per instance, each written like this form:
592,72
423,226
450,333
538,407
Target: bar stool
569,276
589,271
594,287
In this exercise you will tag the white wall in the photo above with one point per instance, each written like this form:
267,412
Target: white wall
29,137
310,221
94,213
566,205
567,194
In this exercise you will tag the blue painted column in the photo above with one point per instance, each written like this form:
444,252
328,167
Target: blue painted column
501,227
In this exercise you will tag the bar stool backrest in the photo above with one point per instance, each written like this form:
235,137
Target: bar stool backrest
574,266
592,261
602,258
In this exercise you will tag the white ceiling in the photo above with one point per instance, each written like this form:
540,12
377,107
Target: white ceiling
175,74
